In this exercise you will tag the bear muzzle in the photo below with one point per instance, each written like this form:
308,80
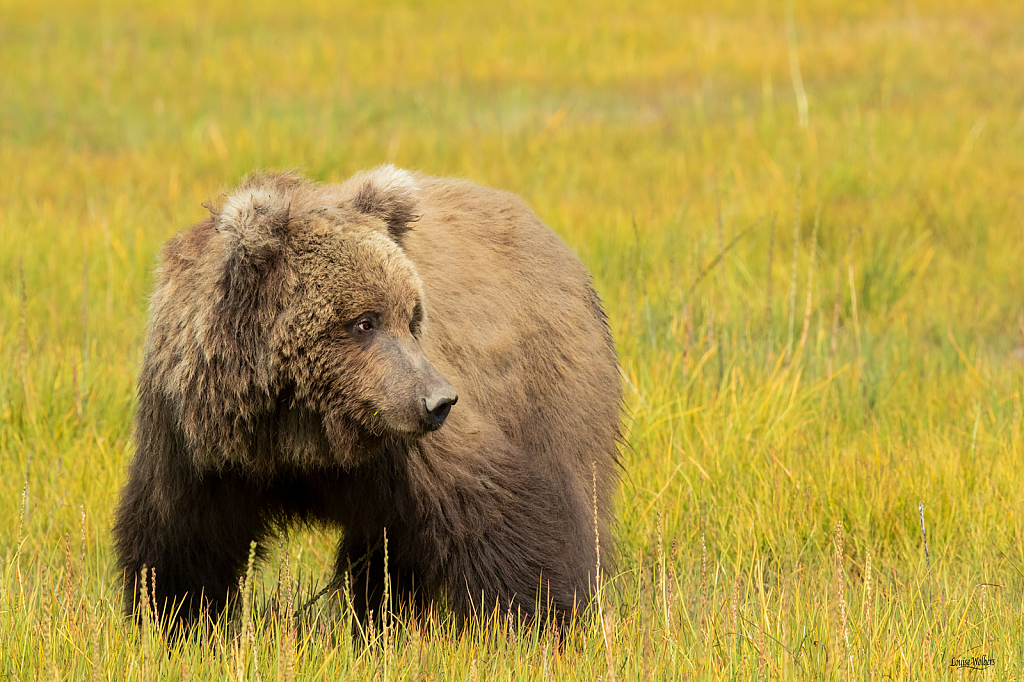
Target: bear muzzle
437,405
417,397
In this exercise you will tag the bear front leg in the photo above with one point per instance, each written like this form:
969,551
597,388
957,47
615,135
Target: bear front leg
524,544
190,534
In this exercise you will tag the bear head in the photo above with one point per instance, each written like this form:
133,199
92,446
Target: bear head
285,330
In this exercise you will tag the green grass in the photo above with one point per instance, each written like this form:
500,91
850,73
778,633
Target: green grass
649,135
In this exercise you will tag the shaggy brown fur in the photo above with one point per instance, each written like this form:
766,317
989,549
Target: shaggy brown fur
303,348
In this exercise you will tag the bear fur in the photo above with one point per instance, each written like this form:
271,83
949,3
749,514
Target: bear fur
306,343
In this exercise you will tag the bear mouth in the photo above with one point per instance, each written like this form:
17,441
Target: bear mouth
378,425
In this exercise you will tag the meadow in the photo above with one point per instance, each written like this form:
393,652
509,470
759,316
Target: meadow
806,221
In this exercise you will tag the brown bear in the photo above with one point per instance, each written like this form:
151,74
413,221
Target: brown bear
397,354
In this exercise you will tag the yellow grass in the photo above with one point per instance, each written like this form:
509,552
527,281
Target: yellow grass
789,410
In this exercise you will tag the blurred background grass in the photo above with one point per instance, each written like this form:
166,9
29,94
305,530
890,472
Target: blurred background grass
853,350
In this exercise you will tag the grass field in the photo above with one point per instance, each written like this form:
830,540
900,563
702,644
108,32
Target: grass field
807,226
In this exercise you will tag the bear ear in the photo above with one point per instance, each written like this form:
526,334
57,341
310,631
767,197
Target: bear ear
388,193
254,216
251,265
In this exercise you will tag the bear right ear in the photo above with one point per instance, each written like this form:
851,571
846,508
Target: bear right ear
388,193
251,269
254,216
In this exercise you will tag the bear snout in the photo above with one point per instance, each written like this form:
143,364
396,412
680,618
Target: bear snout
437,405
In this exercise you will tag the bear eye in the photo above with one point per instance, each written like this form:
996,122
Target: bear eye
365,325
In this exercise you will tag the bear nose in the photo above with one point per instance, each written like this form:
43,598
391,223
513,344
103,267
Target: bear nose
437,405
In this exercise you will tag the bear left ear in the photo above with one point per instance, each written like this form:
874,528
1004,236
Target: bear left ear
387,193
